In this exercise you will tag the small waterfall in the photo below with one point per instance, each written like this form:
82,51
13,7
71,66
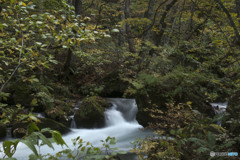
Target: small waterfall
121,124
127,107
73,123
113,116
219,108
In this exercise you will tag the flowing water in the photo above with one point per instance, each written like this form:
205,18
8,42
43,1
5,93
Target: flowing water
120,122
219,108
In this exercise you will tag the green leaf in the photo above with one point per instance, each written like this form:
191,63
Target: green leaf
202,150
112,141
114,153
9,147
39,43
35,80
12,1
172,132
33,157
58,138
34,118
30,145
211,139
34,102
115,30
83,148
107,157
32,127
34,16
44,139
39,22
122,152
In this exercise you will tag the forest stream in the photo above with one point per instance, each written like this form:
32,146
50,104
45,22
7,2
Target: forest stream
120,122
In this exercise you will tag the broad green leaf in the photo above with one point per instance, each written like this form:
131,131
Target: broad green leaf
34,118
9,147
58,138
44,139
30,145
32,127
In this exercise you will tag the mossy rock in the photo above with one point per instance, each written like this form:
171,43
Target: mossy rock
60,112
91,112
144,102
3,131
19,132
19,127
158,98
22,94
54,125
57,114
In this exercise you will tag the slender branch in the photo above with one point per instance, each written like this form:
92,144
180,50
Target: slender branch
232,24
16,68
195,30
88,6
163,23
149,27
19,63
154,18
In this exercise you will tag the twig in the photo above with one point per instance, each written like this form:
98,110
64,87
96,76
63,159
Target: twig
16,68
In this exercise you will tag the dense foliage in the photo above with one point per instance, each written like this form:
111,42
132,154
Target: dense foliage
174,57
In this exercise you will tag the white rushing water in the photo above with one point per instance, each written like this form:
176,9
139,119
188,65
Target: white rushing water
219,108
120,123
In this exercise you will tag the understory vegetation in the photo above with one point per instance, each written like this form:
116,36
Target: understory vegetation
174,57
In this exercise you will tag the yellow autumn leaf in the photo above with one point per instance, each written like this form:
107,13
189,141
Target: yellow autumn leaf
189,103
24,4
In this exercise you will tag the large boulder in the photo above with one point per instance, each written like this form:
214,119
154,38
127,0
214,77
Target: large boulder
3,131
53,125
60,112
155,92
91,112
19,132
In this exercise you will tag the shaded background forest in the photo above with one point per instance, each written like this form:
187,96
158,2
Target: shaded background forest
174,57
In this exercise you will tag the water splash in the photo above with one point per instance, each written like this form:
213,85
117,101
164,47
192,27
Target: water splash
73,122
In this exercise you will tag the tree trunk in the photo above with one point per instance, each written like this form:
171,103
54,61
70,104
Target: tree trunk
128,28
121,39
78,10
149,14
78,7
231,22
237,3
68,62
159,35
